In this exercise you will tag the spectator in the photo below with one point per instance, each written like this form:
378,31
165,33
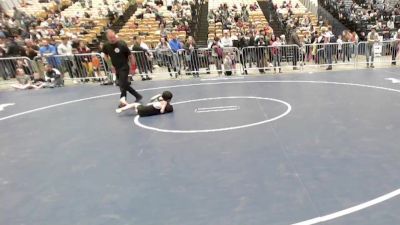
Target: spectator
149,56
216,53
294,40
165,52
24,81
372,39
260,52
328,48
276,52
191,56
86,60
31,49
175,44
14,49
395,46
228,64
65,50
141,55
53,76
47,51
226,40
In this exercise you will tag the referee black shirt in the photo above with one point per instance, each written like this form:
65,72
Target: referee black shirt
119,54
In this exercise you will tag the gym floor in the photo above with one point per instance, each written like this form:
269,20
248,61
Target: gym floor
319,148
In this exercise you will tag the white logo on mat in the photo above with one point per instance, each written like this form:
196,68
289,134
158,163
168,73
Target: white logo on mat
394,80
2,106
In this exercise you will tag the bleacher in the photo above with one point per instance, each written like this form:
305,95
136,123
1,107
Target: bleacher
37,9
148,26
98,14
300,13
97,10
256,17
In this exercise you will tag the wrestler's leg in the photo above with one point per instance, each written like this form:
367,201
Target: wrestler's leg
128,106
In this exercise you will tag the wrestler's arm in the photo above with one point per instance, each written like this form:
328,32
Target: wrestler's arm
163,105
155,97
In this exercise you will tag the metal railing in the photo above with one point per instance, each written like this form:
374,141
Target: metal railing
378,52
155,62
328,54
84,67
263,58
9,65
225,61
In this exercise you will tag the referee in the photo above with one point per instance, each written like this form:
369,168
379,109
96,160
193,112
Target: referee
120,56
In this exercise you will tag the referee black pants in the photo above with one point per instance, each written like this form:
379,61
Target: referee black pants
124,83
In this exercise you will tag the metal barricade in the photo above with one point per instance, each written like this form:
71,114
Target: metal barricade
232,61
195,61
155,63
8,66
204,60
270,58
328,54
381,53
83,67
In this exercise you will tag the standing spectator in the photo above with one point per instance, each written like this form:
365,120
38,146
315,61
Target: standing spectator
294,40
339,53
372,39
176,45
86,60
191,56
141,55
149,56
395,46
328,48
226,41
276,52
48,51
164,51
228,64
242,52
216,53
260,53
4,68
65,50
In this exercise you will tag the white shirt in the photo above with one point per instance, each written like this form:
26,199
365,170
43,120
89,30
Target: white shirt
63,49
226,42
340,42
390,24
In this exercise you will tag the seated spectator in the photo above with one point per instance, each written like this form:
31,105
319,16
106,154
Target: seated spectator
53,76
24,81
